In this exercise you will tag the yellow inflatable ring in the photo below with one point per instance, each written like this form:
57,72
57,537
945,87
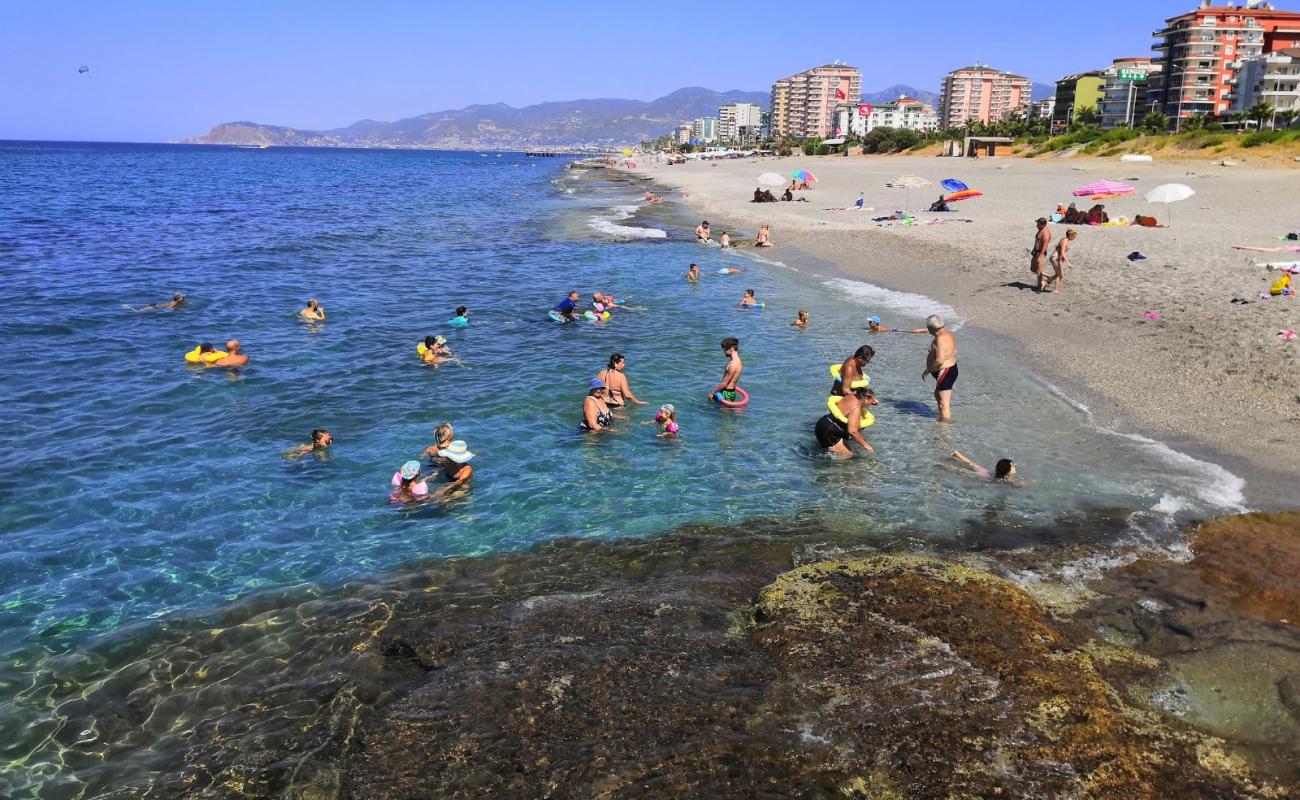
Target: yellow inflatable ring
833,405
196,357
835,373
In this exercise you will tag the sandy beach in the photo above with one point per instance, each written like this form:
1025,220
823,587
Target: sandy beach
1208,375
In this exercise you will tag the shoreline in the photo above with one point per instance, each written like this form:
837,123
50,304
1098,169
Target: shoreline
1097,358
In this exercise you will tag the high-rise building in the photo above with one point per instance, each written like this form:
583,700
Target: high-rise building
982,93
704,130
1074,93
805,105
740,123
683,134
1272,79
1124,94
1202,52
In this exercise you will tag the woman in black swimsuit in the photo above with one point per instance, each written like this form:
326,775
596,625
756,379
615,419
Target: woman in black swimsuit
596,416
617,391
834,434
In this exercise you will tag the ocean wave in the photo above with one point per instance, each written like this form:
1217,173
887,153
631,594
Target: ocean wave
918,305
608,224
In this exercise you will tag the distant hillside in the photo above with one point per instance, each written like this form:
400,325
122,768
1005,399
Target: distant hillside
601,122
892,93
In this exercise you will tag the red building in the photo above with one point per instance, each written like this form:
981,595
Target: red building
1201,54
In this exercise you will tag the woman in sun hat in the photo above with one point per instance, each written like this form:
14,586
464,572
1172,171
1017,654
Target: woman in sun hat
456,469
408,486
595,413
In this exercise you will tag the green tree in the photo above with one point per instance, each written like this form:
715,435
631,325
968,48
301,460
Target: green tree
1287,118
1155,124
1086,116
1195,122
1260,112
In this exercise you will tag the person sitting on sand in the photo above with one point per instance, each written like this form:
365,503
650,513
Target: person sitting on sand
940,205
320,442
233,357
768,197
749,301
731,374
833,434
764,237
803,187
693,274
455,469
787,197
313,311
725,241
1003,472
596,416
408,485
1037,256
568,307
758,196
800,320
617,391
702,231
177,301
1061,259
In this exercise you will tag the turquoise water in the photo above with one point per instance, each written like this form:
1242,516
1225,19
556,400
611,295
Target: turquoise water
134,488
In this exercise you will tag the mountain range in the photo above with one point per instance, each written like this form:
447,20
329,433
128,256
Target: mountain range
600,122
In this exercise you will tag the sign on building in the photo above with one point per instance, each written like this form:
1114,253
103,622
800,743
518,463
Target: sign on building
1132,75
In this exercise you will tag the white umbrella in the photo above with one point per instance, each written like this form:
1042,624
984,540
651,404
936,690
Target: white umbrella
1170,193
908,183
771,180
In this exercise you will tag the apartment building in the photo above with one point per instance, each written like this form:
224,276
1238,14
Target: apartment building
905,112
1124,100
740,123
806,105
982,93
1202,52
1272,79
1074,93
704,130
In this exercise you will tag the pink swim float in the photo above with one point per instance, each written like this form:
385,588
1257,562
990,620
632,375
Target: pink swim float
740,401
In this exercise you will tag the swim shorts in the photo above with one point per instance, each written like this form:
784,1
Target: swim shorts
830,431
945,378
729,395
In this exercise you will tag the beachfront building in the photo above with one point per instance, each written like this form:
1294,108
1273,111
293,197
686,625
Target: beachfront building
683,134
982,93
1272,79
704,130
1124,94
1202,52
905,112
1074,93
740,123
807,104
1042,109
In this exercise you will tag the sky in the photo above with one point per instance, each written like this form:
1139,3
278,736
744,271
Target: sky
160,71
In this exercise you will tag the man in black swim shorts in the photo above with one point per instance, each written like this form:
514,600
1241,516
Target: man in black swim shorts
941,364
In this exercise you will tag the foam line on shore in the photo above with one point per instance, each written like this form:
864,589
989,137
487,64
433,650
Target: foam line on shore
919,305
609,226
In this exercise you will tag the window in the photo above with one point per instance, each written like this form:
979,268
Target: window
1227,51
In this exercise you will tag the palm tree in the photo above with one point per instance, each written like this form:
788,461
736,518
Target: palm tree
1260,112
1287,118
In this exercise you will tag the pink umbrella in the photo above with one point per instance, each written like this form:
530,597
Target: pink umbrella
1104,187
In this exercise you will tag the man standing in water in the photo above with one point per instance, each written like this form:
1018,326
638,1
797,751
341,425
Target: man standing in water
851,369
941,364
702,231
233,358
1038,257
731,375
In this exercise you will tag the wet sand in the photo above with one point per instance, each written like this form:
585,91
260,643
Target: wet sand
1209,376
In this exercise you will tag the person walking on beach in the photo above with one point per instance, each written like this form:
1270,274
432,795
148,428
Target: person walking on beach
941,364
702,231
730,375
617,391
313,311
233,357
1038,256
1061,259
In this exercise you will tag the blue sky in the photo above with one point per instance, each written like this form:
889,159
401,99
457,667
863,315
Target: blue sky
164,70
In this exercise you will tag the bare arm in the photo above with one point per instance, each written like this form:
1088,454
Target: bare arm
589,412
966,461
855,430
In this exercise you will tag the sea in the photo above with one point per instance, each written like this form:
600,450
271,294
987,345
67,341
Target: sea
137,490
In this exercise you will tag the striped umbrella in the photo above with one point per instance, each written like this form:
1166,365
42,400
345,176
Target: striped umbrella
909,182
1104,187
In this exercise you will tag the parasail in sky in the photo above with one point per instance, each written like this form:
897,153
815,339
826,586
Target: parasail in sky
83,69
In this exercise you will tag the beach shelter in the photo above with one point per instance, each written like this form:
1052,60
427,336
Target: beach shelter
1169,193
1109,188
771,180
908,183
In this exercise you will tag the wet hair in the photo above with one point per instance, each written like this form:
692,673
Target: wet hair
1043,220
749,292
865,353
312,303
614,359
865,393
442,433
693,266
1003,468
178,297
206,347
934,322
317,434
730,342
802,314
571,294
460,311
429,342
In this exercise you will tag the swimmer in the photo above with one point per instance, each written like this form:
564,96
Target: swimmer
833,433
313,311
596,416
693,274
875,326
731,374
441,438
801,320
177,301
461,319
455,469
233,358
1003,472
667,419
408,485
436,350
730,271
321,439
601,303
749,301
725,241
568,307
702,231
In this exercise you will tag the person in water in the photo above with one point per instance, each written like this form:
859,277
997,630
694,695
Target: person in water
800,320
667,419
941,364
601,303
617,391
764,237
408,485
596,415
568,307
725,240
461,319
702,231
441,438
1003,472
233,357
693,274
435,350
834,433
313,311
731,374
749,300
321,439
851,370
177,301
455,469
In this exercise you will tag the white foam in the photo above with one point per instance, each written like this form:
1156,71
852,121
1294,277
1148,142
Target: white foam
610,228
908,303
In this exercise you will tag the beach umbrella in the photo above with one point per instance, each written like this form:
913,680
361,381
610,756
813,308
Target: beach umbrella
1113,188
771,180
908,183
803,175
953,185
1170,193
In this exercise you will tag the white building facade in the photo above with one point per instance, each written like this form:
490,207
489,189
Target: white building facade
905,112
1272,79
704,130
740,123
